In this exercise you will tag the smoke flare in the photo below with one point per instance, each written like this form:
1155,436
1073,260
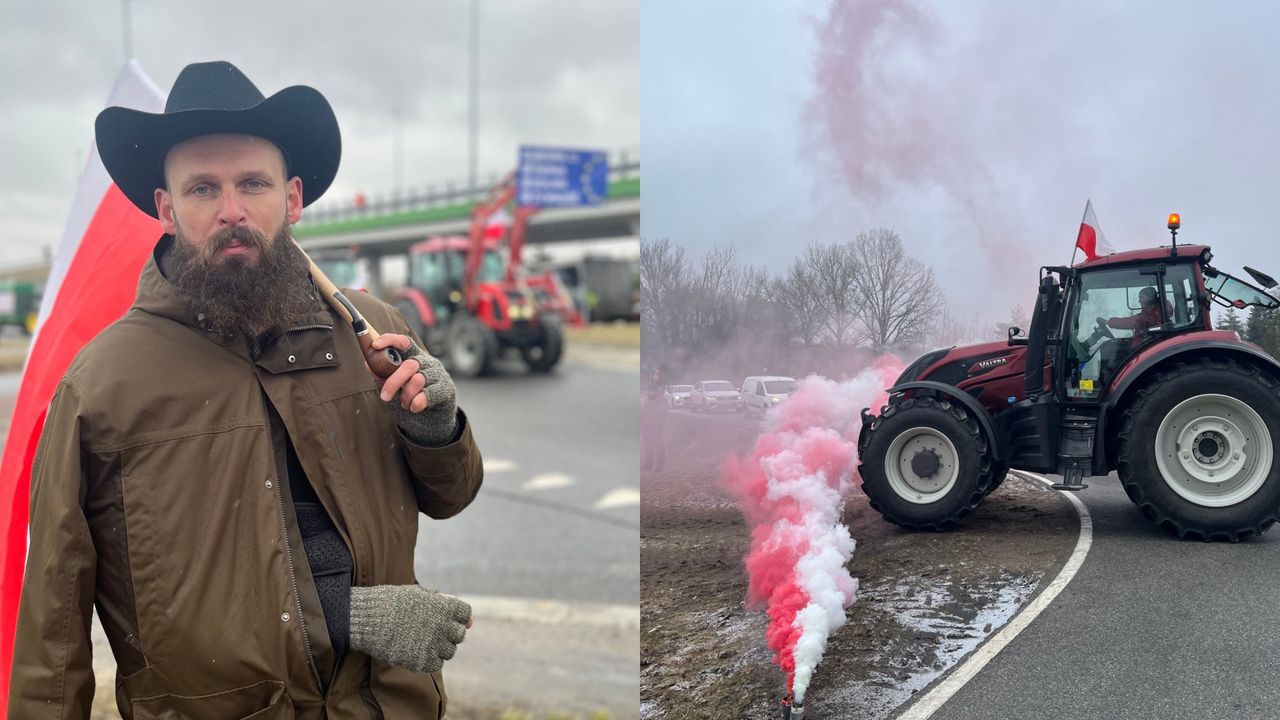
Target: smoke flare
792,488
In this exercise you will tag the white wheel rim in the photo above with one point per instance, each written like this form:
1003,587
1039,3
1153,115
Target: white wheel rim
904,480
1213,450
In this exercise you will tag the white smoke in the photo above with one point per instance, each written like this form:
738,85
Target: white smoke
830,588
817,427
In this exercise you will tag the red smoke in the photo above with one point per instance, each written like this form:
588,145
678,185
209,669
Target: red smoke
792,488
895,117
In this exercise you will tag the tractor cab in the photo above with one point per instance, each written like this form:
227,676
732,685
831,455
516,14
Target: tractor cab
1115,310
437,267
1111,309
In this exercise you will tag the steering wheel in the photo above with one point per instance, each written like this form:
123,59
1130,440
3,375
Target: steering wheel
1104,329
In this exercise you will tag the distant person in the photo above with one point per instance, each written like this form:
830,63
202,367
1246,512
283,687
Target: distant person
219,472
653,420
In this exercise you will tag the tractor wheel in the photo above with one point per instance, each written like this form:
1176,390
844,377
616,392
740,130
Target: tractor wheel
542,358
926,465
472,347
999,471
413,318
1196,452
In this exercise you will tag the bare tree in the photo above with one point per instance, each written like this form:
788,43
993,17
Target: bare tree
949,329
801,301
835,268
664,284
899,296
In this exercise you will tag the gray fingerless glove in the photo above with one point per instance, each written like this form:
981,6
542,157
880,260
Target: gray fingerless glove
439,422
408,626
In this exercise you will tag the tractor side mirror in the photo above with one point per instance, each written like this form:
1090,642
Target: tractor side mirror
1014,333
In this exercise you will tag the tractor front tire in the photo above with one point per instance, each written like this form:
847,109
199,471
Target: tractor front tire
926,464
999,472
1196,452
472,347
543,357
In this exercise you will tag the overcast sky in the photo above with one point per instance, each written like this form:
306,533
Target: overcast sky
555,72
977,130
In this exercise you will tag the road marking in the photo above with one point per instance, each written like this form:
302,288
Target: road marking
547,481
553,612
618,497
928,704
493,466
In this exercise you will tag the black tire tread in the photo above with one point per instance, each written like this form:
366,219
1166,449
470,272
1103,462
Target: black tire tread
976,435
1144,395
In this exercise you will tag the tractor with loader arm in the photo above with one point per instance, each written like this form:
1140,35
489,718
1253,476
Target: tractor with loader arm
470,302
1121,370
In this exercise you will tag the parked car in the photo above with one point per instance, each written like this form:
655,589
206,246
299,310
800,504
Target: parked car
761,392
716,396
678,396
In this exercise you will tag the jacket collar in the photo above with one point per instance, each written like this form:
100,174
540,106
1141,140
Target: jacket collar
157,296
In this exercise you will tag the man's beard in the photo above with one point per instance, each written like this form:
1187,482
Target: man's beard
239,298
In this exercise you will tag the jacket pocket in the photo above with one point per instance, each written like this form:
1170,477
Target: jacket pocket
265,700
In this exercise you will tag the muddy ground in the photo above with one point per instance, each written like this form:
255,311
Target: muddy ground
926,599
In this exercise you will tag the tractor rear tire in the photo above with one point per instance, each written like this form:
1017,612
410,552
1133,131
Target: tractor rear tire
543,357
472,347
909,488
1196,452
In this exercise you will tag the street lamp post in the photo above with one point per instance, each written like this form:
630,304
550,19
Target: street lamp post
473,97
126,30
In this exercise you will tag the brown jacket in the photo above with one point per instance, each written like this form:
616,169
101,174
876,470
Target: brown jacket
159,493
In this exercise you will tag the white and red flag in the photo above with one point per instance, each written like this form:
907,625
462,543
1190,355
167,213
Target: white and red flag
1090,239
497,225
92,282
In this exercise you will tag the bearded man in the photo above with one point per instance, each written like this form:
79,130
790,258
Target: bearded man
219,471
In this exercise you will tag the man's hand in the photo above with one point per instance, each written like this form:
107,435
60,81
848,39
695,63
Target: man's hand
407,380
427,404
407,626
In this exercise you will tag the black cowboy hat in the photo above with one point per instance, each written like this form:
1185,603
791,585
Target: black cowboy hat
215,97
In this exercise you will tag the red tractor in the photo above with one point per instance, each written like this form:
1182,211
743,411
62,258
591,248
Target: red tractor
470,304
1121,371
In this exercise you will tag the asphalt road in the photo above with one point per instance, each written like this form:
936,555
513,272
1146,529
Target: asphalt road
1150,627
558,516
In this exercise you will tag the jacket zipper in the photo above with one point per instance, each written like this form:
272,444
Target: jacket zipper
315,326
288,553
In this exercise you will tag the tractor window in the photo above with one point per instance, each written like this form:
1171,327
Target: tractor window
427,271
1116,312
1229,291
492,269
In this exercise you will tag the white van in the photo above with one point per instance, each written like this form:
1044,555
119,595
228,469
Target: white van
761,392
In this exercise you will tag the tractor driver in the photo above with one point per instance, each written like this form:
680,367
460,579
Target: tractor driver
1147,318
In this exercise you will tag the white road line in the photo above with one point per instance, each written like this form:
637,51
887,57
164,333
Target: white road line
553,612
618,497
547,481
942,692
492,466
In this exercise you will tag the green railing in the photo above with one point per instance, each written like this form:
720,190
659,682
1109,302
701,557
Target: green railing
430,206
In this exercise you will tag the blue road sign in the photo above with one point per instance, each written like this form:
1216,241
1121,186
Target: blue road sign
561,177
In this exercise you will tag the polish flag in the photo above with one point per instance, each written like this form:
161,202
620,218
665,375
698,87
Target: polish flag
497,225
92,282
1091,240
